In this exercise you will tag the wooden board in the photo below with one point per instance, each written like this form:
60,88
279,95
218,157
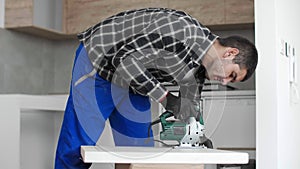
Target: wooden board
160,155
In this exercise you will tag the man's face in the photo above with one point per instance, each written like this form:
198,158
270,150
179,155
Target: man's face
225,71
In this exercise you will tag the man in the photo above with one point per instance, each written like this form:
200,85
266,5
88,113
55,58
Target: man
121,63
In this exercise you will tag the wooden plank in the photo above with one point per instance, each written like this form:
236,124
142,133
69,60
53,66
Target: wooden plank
18,13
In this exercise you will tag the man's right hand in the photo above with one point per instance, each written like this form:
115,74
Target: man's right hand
172,104
182,108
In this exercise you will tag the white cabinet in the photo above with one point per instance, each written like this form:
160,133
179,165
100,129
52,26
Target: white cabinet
230,118
29,127
39,132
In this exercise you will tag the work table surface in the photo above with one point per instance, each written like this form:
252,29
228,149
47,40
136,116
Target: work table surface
161,155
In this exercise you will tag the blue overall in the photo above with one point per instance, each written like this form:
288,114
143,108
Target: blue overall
91,102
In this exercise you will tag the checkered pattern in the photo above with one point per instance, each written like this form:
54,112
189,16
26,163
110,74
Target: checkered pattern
142,48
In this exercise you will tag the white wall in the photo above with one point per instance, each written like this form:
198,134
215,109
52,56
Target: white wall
277,105
2,9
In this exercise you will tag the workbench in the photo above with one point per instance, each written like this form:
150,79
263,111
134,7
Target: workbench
160,155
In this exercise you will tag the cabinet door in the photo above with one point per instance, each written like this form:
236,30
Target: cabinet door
230,121
81,14
18,13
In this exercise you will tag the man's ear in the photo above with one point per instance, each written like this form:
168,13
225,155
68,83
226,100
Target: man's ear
231,53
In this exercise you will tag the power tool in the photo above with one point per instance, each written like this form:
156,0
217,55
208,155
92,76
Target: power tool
187,134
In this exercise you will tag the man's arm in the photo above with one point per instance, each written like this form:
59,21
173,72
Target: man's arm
132,70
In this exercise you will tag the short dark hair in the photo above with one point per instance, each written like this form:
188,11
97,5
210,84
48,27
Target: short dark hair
247,57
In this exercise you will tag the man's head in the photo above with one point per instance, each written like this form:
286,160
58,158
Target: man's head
230,59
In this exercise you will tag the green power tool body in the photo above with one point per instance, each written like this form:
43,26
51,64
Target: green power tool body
188,134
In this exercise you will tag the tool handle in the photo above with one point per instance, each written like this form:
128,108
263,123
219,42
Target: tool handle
165,115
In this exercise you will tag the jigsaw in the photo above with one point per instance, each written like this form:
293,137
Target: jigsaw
188,134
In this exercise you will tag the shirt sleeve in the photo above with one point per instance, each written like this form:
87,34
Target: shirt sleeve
129,66
164,33
193,88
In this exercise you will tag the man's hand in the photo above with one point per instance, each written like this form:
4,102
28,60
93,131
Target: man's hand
182,108
172,103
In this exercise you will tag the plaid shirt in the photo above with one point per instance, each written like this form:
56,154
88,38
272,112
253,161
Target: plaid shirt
142,48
